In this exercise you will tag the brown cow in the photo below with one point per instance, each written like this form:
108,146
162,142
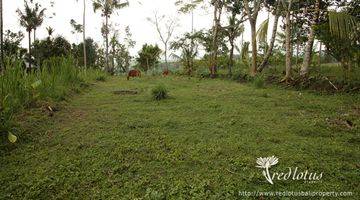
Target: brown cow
134,73
166,73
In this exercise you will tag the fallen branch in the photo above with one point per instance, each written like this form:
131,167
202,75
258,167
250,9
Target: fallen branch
326,78
353,89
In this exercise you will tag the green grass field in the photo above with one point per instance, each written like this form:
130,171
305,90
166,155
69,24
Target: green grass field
201,143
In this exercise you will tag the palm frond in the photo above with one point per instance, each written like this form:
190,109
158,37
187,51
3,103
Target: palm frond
262,32
97,5
245,52
26,17
241,29
175,56
118,5
238,49
341,24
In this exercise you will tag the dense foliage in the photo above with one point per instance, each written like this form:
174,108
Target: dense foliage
148,57
49,47
91,52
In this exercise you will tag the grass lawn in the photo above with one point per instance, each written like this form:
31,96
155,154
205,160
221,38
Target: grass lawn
201,143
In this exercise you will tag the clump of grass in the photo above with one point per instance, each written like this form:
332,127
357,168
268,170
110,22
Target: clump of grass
203,73
259,81
265,95
159,93
101,78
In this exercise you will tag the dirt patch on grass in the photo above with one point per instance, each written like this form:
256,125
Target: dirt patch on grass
78,114
342,123
125,92
356,111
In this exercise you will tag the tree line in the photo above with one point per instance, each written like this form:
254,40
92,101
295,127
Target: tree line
87,53
297,25
333,23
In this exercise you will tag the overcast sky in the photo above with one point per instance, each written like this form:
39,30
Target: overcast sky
133,16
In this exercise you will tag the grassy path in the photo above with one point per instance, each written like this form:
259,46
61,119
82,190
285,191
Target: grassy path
201,143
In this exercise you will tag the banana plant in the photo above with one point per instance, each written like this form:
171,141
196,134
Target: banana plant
7,124
6,120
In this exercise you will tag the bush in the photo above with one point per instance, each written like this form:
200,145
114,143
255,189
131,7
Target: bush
237,76
159,93
90,75
101,77
259,81
203,73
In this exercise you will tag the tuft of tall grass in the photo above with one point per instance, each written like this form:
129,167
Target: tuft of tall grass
259,81
159,92
54,81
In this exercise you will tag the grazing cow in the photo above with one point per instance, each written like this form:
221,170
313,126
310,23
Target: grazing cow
134,73
166,73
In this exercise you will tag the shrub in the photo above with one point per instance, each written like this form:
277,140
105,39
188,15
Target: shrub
202,73
259,81
90,75
159,93
100,77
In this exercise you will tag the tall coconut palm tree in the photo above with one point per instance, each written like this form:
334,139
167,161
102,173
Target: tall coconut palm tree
107,8
84,32
39,15
27,21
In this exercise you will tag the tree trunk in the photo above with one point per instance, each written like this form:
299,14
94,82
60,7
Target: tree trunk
288,44
304,71
252,15
214,42
84,35
192,20
307,56
107,44
29,33
264,63
113,57
191,61
166,60
254,48
297,51
320,49
231,57
34,34
2,64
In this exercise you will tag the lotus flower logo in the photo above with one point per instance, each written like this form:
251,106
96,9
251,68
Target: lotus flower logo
266,163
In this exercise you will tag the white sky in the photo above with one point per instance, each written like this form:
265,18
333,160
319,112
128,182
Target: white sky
133,16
